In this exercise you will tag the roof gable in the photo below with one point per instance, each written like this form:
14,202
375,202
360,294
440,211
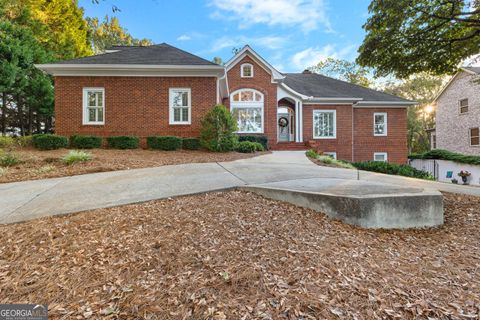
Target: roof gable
276,75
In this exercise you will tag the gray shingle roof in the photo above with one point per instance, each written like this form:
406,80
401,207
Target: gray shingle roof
160,54
316,85
473,69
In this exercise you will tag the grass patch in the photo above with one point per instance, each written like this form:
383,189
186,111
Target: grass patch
328,160
8,160
76,156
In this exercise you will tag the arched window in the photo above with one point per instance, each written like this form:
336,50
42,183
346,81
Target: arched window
246,106
246,70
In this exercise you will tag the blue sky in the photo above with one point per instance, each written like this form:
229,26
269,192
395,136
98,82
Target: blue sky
290,34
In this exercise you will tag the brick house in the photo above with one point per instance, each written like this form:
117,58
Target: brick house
457,118
162,90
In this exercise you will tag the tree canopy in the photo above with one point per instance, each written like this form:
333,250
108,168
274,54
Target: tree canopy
103,35
405,37
343,70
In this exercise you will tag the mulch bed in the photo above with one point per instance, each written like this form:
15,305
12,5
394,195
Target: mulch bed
236,255
36,164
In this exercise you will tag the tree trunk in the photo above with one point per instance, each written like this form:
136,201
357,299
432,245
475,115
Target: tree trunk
4,113
30,121
38,123
20,116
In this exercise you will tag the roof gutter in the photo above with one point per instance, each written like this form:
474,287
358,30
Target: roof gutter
131,70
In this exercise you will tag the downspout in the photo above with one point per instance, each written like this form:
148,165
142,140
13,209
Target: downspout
353,134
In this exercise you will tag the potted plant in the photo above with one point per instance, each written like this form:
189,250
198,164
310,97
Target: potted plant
464,174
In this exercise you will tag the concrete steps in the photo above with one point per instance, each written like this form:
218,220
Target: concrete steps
289,146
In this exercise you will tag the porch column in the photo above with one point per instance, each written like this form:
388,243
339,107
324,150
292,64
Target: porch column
300,120
297,122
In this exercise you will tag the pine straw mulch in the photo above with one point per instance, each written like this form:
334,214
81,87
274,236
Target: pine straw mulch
236,255
35,164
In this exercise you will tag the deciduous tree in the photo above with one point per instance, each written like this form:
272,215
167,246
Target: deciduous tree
343,70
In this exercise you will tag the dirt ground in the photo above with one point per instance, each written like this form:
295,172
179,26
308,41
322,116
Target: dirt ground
236,255
36,164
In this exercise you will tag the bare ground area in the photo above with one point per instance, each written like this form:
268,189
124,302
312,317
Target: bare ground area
35,164
236,255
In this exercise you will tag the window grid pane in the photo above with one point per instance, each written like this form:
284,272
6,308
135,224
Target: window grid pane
379,124
324,124
248,119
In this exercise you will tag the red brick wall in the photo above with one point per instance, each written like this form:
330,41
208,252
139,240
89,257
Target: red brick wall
395,143
133,105
261,81
342,145
365,143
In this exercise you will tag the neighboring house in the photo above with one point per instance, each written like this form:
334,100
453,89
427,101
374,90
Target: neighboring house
457,120
162,90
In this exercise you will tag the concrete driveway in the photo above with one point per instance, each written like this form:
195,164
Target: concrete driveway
27,200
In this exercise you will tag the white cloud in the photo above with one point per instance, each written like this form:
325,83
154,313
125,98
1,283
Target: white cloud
184,37
308,14
269,42
313,55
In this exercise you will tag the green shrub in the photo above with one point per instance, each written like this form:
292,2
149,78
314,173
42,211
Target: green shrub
439,154
49,141
249,147
391,168
262,139
76,156
23,141
325,159
164,143
8,160
123,142
85,142
6,142
312,153
191,143
218,130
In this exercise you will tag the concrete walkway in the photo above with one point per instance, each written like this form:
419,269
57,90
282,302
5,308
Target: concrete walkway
27,200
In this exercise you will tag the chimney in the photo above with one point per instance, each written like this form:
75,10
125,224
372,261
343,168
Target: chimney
306,71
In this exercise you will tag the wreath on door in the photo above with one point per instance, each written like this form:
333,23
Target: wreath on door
283,122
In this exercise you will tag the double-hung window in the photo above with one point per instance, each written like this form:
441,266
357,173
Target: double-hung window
463,106
246,70
324,124
247,107
475,136
380,124
180,106
94,106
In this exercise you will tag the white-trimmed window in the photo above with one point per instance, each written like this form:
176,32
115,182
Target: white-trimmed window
463,104
475,136
380,156
324,124
246,106
333,155
94,106
246,70
380,124
180,105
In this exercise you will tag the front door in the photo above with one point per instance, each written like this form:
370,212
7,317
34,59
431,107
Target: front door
283,125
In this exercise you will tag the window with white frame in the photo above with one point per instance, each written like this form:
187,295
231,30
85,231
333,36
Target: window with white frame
246,106
246,70
94,106
324,124
475,136
333,155
463,105
180,105
380,156
380,124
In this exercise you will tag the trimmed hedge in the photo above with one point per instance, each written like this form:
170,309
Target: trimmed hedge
164,143
49,141
191,143
123,142
249,147
439,154
85,142
263,140
391,168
